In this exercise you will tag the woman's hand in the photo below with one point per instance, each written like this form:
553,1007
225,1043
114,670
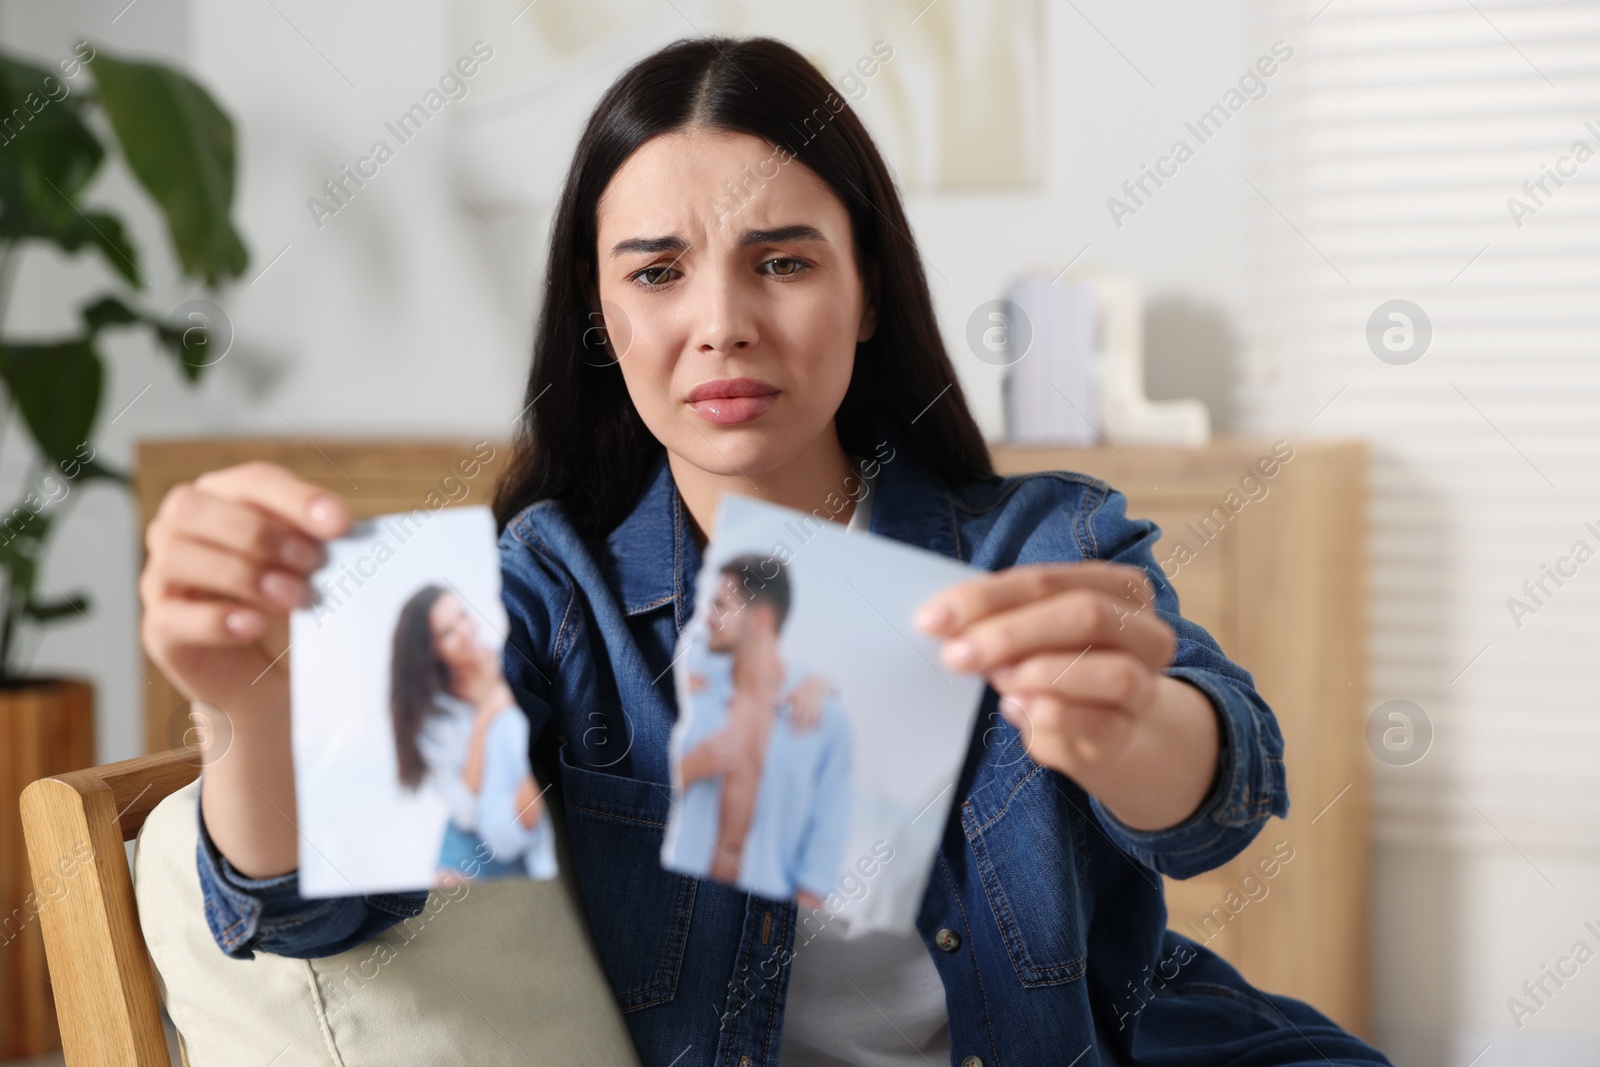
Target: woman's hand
494,698
530,804
227,558
478,742
805,705
489,710
717,754
1077,654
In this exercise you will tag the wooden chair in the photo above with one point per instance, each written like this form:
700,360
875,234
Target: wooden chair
76,825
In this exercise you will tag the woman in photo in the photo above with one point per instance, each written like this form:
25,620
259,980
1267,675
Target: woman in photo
457,729
733,301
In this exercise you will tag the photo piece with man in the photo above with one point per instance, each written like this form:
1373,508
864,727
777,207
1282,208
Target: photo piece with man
819,735
410,752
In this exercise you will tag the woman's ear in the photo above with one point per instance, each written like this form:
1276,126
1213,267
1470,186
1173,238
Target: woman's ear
869,306
587,286
869,323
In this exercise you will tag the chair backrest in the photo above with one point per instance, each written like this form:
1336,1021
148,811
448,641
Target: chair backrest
76,825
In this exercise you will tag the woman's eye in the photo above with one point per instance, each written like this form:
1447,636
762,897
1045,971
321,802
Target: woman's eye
655,276
784,266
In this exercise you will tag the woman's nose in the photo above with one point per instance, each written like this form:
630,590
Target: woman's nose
725,319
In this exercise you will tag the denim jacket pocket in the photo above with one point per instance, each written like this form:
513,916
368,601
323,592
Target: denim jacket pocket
1032,867
638,911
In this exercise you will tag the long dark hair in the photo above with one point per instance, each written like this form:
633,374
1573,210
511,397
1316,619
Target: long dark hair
417,675
580,440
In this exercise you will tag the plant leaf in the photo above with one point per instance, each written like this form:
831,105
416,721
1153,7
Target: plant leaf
104,231
180,146
50,610
187,344
98,229
57,388
47,153
94,469
109,311
21,533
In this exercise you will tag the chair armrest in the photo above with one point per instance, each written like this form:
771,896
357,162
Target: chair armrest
75,825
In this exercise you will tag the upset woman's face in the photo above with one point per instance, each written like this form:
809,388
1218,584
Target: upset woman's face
455,635
731,297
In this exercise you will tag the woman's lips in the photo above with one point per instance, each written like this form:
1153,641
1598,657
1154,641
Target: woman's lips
732,400
727,410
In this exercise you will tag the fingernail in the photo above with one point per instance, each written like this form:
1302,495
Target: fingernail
278,586
934,616
297,554
961,653
323,510
240,623
1014,707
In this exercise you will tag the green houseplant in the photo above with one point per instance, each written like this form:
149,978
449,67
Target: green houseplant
58,124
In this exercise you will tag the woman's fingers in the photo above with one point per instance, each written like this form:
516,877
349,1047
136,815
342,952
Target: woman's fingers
309,508
806,704
953,609
529,805
196,567
1108,677
1067,621
228,557
191,513
205,622
1069,736
244,539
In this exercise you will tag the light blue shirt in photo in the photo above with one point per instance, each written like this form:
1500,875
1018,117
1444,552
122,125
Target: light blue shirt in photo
801,823
491,813
505,765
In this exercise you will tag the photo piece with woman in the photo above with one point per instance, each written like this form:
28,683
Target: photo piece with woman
410,752
818,734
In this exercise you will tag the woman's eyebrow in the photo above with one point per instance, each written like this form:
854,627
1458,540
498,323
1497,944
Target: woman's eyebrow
673,243
781,235
649,245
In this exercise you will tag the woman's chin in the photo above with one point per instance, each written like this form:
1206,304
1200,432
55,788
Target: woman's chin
744,450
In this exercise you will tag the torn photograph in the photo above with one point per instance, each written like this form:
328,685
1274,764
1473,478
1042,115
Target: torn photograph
410,752
818,734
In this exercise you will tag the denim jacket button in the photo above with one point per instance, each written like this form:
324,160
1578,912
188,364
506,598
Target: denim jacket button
949,940
972,1061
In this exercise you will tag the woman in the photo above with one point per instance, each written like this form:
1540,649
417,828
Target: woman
733,301
447,702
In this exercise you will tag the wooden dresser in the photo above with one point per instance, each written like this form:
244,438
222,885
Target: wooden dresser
1280,584
1277,574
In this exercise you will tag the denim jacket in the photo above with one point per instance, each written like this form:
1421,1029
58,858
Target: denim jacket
1043,914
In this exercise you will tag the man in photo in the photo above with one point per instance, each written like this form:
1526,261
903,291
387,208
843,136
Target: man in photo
763,762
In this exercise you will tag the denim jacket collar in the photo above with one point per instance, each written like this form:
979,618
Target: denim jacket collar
654,560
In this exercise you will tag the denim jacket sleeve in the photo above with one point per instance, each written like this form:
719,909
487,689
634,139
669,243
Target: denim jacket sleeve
1249,786
247,915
